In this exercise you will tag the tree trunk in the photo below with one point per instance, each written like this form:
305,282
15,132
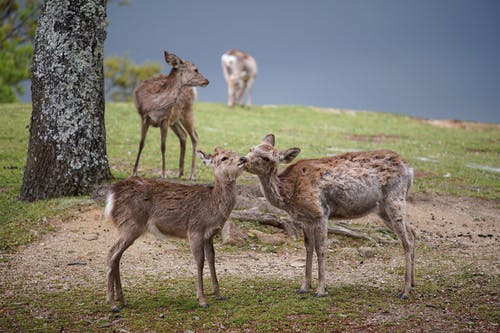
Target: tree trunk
67,148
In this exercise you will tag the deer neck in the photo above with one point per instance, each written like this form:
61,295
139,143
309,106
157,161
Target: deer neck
270,186
175,84
224,197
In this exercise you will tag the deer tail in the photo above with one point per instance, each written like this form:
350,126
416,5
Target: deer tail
110,203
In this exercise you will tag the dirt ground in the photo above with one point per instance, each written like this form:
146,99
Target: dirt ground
74,255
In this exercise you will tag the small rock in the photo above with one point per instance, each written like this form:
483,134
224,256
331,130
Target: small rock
270,239
105,324
298,263
91,237
77,263
367,252
231,234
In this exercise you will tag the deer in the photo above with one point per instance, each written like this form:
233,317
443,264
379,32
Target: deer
167,101
193,211
240,70
344,186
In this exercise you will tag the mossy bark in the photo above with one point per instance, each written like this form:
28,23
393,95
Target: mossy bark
67,147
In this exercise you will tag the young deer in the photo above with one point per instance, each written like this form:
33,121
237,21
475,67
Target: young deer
167,101
240,70
196,212
344,186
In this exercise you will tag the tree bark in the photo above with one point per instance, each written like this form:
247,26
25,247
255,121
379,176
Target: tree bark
67,147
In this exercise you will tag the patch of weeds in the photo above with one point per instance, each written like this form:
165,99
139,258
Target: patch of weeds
259,305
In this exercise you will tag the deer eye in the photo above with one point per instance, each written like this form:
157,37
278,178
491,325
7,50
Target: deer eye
266,159
224,159
196,70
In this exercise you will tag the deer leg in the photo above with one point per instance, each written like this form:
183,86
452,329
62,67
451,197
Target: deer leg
196,244
144,131
188,123
210,254
163,133
230,94
249,92
309,245
241,94
320,237
411,235
393,213
114,256
181,134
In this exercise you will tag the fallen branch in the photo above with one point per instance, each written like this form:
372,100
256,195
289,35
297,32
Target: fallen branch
291,227
267,219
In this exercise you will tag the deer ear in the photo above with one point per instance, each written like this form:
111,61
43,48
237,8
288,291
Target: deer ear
172,59
289,155
205,158
269,139
218,149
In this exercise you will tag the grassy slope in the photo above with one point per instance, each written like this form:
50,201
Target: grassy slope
263,304
439,155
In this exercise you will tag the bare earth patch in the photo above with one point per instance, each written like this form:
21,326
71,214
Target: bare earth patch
452,232
453,123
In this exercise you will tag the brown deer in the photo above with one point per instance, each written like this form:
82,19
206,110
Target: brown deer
167,101
196,212
240,70
344,186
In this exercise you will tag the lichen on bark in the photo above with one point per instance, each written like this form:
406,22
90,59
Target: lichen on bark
67,149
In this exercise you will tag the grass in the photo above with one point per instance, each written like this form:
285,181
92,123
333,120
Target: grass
261,305
447,160
451,161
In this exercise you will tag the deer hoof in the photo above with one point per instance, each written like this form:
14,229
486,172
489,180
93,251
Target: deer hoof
403,296
115,309
205,305
320,294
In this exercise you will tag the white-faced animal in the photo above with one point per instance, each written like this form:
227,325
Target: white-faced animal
240,70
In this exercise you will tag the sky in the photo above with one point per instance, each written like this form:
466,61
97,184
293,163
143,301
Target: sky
436,59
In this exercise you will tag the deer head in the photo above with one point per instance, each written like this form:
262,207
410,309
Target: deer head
265,158
227,165
190,76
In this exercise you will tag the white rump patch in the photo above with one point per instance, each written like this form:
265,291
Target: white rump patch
110,203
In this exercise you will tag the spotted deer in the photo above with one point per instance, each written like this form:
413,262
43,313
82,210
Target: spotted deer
167,101
240,70
344,186
196,212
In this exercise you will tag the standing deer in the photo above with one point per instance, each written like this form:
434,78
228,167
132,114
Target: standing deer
195,212
344,186
167,101
240,71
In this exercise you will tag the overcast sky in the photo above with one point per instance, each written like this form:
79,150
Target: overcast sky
427,58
